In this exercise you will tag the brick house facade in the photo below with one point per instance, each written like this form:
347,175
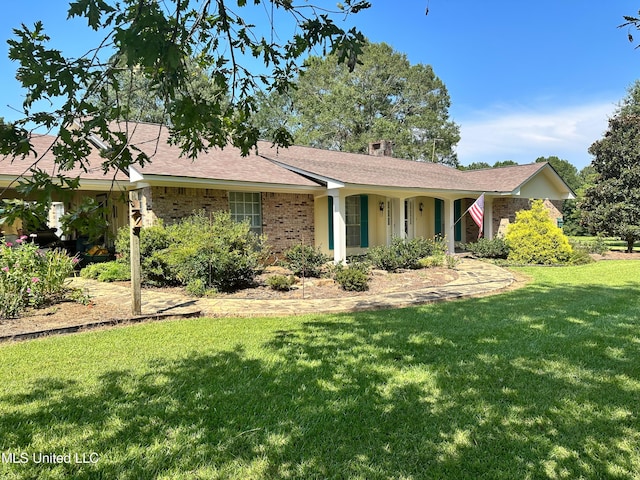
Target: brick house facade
505,209
343,203
286,218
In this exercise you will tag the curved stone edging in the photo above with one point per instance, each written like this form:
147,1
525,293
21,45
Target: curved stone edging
474,278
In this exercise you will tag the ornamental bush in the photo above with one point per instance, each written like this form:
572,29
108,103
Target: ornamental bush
115,271
154,264
225,254
405,253
534,238
281,283
30,277
305,260
354,278
202,251
488,248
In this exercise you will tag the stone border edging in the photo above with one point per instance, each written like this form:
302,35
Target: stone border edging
475,278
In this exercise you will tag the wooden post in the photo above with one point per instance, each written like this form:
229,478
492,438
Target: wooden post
135,224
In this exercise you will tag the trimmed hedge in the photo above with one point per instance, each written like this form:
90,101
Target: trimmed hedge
488,248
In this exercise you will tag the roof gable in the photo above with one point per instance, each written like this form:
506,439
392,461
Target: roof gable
534,180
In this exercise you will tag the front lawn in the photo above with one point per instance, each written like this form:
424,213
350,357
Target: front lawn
540,382
611,243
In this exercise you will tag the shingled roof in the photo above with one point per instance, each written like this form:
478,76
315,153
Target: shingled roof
504,179
293,167
360,169
215,164
13,168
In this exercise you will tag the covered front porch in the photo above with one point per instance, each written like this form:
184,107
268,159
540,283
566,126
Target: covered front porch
115,215
350,221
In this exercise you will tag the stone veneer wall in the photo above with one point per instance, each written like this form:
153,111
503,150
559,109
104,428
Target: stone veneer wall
504,211
287,218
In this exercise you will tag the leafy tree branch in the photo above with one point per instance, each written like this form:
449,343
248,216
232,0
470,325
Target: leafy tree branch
162,43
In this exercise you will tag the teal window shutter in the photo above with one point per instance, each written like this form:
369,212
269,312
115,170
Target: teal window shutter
330,220
457,211
364,221
438,216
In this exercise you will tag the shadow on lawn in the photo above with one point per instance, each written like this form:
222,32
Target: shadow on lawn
537,383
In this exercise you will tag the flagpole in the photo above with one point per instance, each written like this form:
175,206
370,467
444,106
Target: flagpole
477,213
465,212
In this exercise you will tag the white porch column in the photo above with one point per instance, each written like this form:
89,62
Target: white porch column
449,225
339,226
488,217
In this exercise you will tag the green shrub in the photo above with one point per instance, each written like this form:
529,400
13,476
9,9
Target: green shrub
534,238
223,254
405,253
598,245
196,288
354,278
116,271
385,258
152,239
432,261
580,253
488,248
154,264
281,283
30,277
305,260
452,261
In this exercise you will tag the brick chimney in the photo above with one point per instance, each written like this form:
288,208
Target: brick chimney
383,148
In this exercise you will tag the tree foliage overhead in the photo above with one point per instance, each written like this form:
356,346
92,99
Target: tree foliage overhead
157,40
383,98
485,165
611,204
138,101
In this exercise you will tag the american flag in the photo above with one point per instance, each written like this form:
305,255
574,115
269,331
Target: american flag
477,212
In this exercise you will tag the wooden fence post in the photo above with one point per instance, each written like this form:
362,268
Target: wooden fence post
135,224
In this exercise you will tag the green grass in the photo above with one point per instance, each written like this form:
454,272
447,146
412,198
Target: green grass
540,382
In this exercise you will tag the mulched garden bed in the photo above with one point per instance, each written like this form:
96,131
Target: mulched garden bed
66,313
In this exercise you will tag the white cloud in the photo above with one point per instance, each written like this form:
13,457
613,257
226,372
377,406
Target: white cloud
523,136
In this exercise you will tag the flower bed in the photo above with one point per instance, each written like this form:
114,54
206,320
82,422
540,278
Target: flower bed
30,277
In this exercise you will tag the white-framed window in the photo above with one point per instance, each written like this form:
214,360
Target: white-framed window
246,206
353,220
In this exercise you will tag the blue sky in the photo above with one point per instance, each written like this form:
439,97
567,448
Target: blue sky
526,79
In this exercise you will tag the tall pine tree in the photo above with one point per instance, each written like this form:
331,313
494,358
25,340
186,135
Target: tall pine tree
383,98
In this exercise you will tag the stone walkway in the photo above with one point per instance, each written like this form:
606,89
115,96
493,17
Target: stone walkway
474,278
